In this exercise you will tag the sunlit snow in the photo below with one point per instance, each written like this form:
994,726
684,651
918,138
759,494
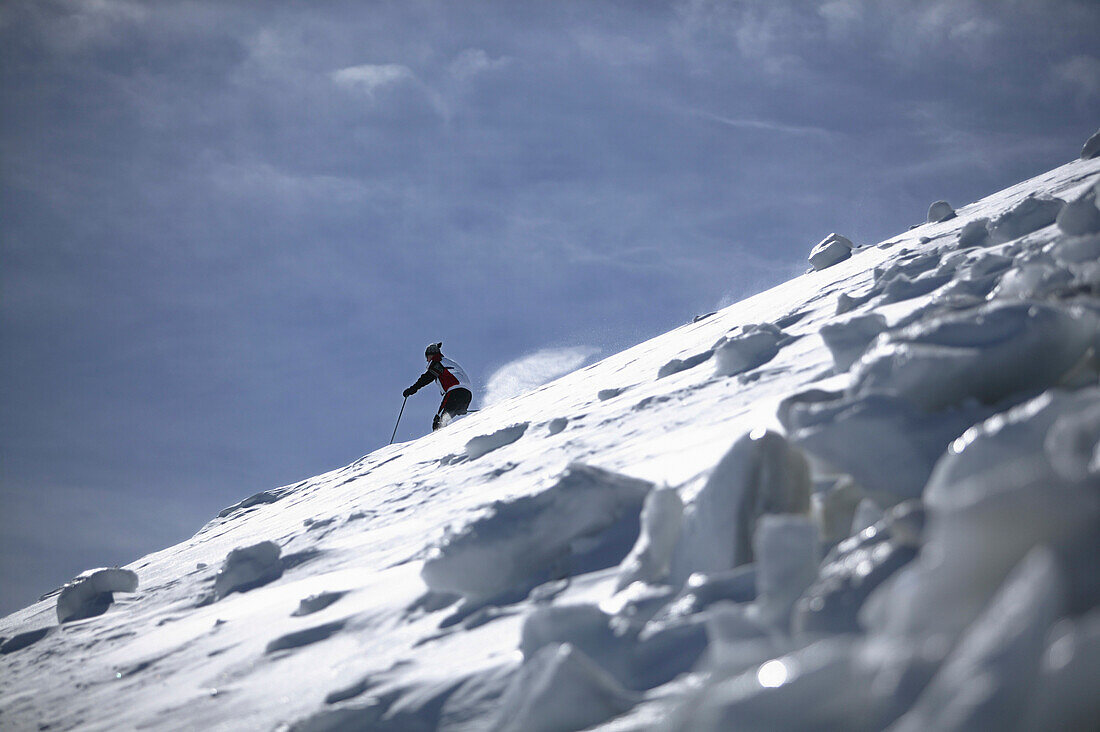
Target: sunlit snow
866,498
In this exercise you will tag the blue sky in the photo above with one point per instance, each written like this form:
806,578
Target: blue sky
228,229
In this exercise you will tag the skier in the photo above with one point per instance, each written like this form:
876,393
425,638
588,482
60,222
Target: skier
453,383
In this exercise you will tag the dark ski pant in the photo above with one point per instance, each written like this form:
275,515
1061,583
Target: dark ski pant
455,402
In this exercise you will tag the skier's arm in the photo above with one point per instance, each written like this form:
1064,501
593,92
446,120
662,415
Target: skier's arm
426,378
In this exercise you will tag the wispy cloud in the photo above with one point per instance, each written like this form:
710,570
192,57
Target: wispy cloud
526,373
761,124
371,77
474,61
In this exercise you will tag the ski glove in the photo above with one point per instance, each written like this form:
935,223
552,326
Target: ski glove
408,392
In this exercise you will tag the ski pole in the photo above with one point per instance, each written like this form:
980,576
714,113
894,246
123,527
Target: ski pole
398,420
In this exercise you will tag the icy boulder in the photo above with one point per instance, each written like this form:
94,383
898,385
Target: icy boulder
883,441
818,687
1091,148
848,339
755,347
588,515
1082,251
92,592
651,556
483,444
1081,215
248,567
1001,473
560,689
834,509
677,365
584,626
762,473
940,211
974,233
987,355
1031,214
856,567
829,251
988,679
1054,438
1032,280
787,549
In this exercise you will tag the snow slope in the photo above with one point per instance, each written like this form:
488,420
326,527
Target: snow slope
867,497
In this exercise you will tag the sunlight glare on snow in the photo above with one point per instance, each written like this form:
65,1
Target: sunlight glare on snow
772,674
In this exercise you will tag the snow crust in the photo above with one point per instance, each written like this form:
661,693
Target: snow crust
866,499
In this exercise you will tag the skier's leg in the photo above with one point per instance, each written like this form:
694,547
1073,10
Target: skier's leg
454,404
459,401
436,423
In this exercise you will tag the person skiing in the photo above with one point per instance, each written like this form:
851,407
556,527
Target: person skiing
453,383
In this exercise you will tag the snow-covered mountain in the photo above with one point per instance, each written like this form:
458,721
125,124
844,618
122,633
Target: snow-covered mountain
867,497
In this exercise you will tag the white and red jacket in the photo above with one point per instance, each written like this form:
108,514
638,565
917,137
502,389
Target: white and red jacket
446,372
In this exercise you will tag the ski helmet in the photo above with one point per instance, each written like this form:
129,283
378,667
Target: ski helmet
433,350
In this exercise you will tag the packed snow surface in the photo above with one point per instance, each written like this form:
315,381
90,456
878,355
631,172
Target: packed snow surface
868,498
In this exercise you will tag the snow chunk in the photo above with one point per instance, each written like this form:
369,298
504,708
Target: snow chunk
787,550
940,211
253,500
998,474
703,590
853,569
1081,215
987,680
1031,214
829,251
747,351
316,603
677,365
604,394
818,687
649,560
846,303
561,689
902,288
835,508
557,425
248,567
1049,439
974,233
1032,280
866,515
1001,349
848,339
1091,148
516,543
91,593
1077,250
885,443
583,626
483,444
761,473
